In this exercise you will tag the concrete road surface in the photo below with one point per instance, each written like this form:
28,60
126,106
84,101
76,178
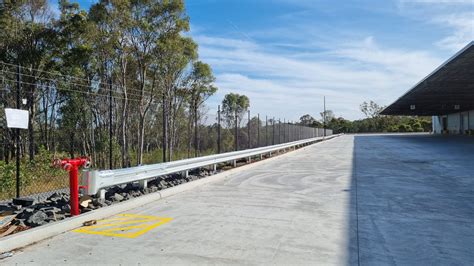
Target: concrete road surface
354,200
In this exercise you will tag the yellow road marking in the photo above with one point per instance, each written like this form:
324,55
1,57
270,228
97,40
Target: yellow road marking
137,225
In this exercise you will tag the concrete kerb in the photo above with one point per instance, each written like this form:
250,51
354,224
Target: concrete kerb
40,233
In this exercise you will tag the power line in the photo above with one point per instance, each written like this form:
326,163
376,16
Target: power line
72,90
80,85
53,73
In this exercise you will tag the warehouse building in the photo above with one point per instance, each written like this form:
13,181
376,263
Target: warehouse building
447,94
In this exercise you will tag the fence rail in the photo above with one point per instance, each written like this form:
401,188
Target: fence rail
96,181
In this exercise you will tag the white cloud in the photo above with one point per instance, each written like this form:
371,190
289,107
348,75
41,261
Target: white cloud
287,86
463,26
457,16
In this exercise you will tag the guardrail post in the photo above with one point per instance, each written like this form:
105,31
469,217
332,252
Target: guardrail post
235,163
102,194
249,160
143,184
215,167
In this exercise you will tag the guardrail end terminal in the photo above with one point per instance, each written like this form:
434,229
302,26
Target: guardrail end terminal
102,194
143,184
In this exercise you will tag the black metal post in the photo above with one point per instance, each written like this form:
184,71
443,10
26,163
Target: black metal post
110,123
279,131
284,130
266,130
165,137
258,130
249,145
219,129
18,88
324,117
290,131
273,131
236,132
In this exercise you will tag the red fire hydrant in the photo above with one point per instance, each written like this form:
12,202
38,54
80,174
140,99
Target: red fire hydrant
72,166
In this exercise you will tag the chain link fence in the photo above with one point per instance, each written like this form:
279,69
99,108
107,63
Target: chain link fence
70,118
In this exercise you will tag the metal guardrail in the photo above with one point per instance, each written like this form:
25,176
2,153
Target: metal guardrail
95,181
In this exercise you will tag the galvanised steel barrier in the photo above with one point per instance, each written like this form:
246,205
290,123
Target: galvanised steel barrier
96,181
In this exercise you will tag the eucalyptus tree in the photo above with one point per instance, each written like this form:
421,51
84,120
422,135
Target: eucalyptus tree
234,106
26,39
74,53
175,55
201,88
111,20
151,21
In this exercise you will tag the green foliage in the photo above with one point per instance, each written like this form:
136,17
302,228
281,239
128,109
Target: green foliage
35,176
234,106
381,124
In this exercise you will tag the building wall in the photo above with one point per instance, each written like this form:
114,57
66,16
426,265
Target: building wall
436,123
457,123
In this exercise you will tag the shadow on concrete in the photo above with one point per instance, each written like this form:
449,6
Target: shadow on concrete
413,200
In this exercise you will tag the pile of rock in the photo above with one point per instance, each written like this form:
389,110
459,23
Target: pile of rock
32,213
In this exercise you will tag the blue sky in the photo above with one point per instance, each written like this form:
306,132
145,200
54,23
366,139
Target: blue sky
287,54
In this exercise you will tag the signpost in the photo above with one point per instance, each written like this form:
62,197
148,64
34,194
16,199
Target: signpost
18,119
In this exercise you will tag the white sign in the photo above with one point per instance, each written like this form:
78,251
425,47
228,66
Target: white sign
16,118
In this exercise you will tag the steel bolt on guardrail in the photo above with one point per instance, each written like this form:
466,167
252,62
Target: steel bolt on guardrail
95,181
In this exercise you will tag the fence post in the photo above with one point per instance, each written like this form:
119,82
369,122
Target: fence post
266,130
218,129
165,130
273,131
291,131
248,131
258,130
110,124
236,132
279,131
18,87
284,130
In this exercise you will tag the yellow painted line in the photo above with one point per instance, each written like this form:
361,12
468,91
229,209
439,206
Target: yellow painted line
137,225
